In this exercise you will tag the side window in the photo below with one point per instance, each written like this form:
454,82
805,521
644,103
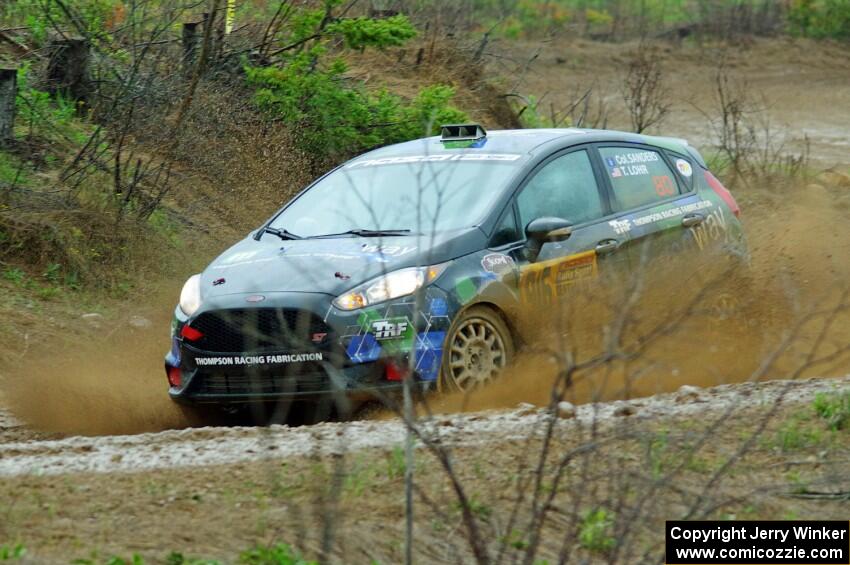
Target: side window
564,188
638,176
506,232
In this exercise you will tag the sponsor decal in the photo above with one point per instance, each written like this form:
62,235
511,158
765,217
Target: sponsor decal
218,282
409,159
714,228
621,226
684,167
254,298
498,263
671,212
342,276
544,282
616,173
258,359
325,255
391,250
318,337
390,329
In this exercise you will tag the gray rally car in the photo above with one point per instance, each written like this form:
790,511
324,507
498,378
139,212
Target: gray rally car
415,260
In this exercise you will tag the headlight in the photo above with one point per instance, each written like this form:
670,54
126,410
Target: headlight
392,285
190,296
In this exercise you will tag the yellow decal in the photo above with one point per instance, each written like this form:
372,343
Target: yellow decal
547,281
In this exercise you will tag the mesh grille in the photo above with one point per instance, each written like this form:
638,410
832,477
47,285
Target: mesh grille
222,383
260,330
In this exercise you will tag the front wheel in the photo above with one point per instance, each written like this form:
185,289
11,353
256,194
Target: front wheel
478,346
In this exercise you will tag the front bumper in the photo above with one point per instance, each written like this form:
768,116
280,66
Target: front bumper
336,353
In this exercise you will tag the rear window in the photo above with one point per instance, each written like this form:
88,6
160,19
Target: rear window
638,176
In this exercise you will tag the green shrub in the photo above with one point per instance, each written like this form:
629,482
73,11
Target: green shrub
834,408
280,554
820,18
12,552
333,118
360,33
596,531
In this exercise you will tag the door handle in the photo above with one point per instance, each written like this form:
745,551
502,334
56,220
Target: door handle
607,246
692,220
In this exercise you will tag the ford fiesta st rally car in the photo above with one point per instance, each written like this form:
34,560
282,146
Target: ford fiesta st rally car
414,260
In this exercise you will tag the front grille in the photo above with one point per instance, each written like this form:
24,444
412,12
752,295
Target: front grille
259,330
222,383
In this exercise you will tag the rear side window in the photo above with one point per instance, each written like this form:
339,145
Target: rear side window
564,188
638,176
685,167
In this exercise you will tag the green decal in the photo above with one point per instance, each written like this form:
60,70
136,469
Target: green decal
465,289
366,318
459,144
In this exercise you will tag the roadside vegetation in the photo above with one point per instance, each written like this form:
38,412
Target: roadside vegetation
674,19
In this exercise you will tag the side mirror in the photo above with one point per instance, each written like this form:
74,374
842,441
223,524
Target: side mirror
546,229
541,230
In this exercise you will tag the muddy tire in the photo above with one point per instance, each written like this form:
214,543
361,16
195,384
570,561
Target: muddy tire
478,346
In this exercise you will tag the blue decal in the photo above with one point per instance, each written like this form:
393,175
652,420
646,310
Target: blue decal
363,348
429,352
438,307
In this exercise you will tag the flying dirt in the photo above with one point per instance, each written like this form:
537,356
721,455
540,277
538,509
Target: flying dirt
799,240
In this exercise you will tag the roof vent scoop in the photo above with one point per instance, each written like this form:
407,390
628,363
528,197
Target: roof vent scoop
462,132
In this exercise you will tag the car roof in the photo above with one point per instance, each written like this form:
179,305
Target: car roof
526,142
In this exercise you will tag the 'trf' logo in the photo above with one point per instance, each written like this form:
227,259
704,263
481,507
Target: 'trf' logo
385,329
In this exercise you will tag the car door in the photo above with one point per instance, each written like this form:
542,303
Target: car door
563,186
651,202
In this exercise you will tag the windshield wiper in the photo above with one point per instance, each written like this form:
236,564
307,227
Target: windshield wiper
281,233
368,233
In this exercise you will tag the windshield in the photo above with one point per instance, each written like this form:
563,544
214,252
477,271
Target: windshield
416,193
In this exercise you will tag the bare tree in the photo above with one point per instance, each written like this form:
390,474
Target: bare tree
646,96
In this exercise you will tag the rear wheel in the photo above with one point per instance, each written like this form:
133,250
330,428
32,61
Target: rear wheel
478,346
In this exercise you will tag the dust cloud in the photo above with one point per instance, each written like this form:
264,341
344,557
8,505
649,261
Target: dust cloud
112,382
800,242
799,239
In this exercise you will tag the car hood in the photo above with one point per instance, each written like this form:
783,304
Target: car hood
329,266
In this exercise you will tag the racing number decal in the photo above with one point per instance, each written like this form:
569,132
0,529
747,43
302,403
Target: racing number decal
543,283
664,186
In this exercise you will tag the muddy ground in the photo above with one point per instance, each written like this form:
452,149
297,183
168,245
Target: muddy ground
95,460
215,492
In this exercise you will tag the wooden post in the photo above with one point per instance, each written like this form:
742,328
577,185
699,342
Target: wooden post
190,46
8,93
67,68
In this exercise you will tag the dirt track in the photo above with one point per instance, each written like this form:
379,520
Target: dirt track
218,446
